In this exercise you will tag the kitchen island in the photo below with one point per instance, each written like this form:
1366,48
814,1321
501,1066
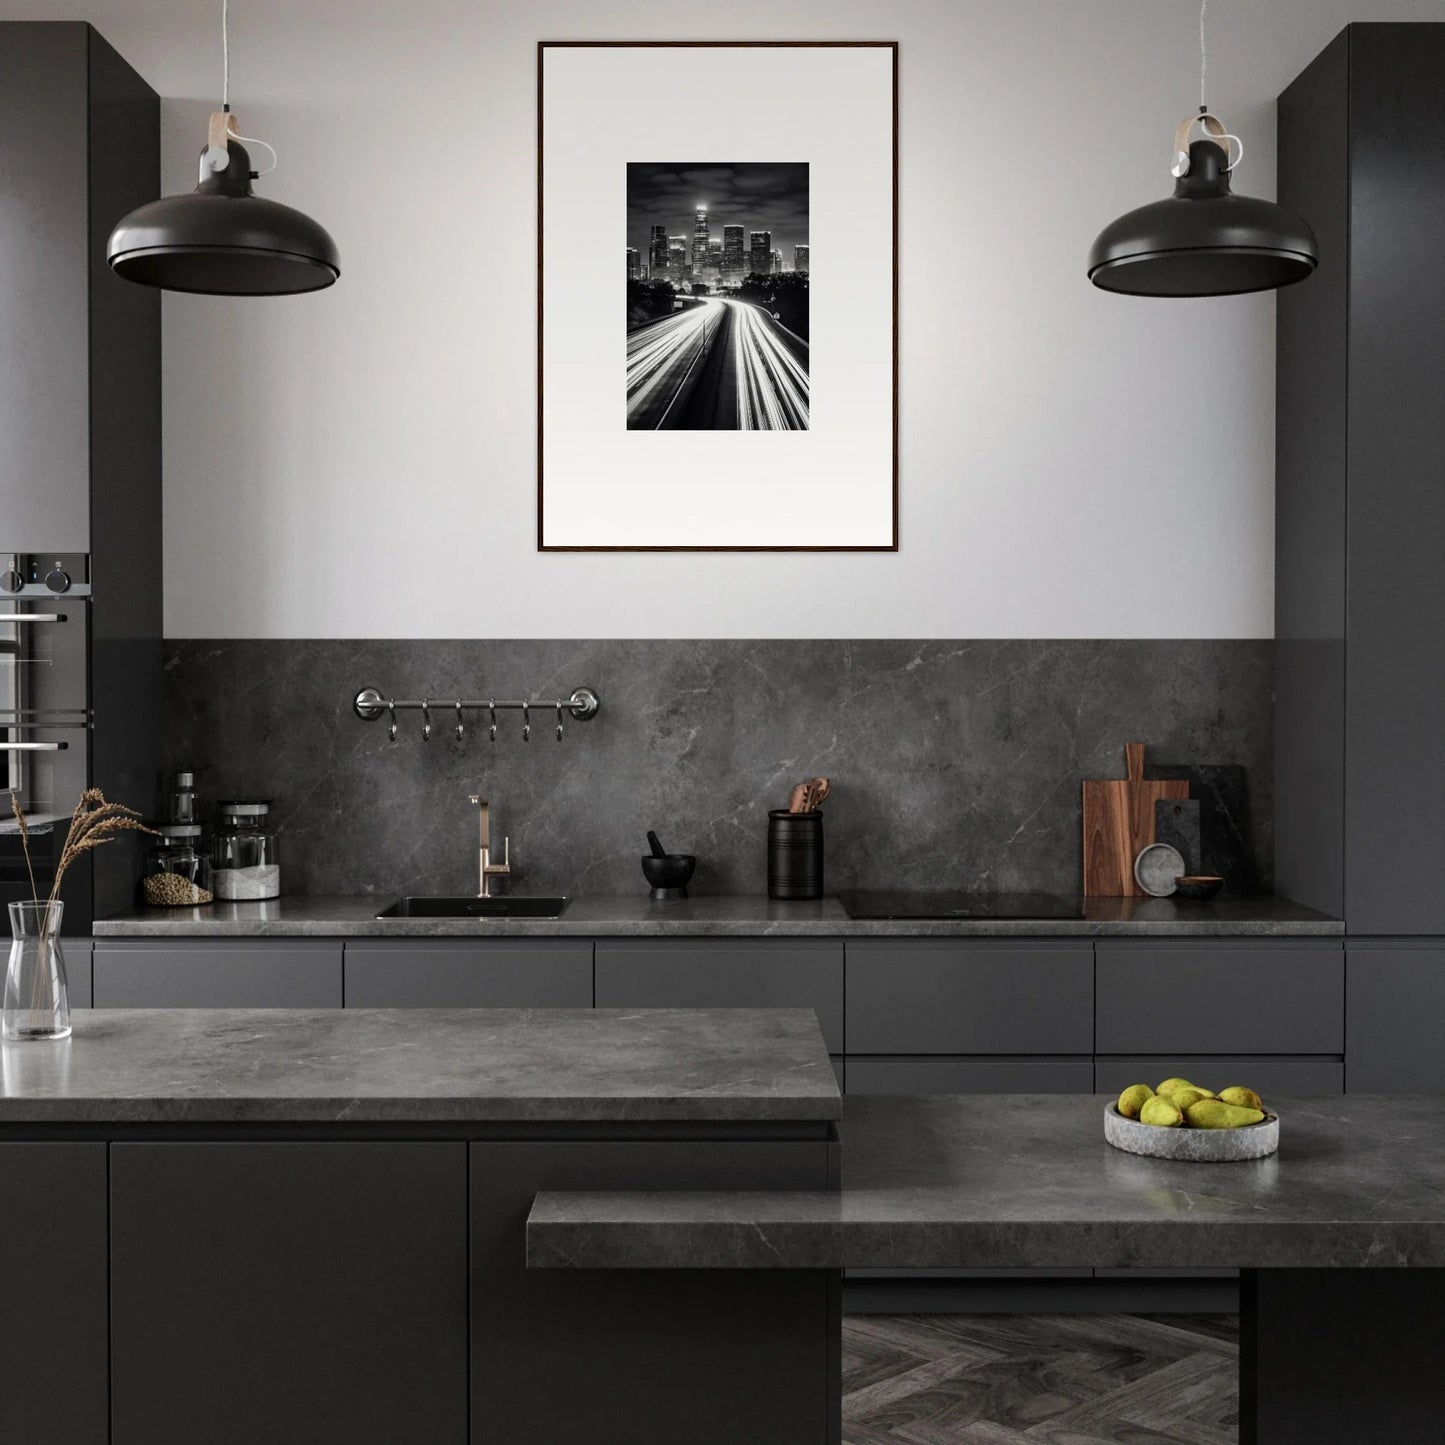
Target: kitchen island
1341,1235
309,1226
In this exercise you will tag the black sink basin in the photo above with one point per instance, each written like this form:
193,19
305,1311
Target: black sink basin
464,907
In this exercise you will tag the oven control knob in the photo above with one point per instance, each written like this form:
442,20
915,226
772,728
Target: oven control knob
11,581
58,581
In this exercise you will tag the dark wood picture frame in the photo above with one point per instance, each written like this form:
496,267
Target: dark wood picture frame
542,47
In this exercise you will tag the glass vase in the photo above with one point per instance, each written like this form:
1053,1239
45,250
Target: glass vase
37,999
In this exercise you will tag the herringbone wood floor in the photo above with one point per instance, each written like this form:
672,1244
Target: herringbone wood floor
1040,1380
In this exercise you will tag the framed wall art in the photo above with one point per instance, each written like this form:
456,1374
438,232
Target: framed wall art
737,388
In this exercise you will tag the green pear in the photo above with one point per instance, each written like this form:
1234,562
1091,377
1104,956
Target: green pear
1133,1099
1161,1112
1215,1114
1245,1098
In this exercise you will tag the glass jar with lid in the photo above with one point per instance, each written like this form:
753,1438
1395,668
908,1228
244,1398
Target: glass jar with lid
245,862
178,869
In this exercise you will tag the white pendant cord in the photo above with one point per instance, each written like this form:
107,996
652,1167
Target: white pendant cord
219,161
1203,55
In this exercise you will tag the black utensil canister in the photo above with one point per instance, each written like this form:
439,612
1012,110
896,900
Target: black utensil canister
795,854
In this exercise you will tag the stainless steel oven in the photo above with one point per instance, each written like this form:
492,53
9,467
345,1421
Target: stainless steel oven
45,712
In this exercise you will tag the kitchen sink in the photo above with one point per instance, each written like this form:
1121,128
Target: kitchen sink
474,907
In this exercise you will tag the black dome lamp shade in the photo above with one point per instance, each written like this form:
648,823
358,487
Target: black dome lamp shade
1203,240
222,239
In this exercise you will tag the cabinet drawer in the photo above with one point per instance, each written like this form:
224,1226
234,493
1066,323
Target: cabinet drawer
524,973
280,973
970,1076
946,997
762,973
1220,999
1397,1004
1298,1078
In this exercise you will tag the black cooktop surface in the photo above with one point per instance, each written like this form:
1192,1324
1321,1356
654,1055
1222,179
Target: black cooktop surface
865,903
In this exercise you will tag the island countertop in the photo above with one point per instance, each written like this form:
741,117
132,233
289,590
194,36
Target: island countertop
720,916
422,1067
1028,1182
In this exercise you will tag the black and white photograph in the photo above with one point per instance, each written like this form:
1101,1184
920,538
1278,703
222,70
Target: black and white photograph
717,296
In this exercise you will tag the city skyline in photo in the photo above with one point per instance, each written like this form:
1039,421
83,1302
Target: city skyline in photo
769,197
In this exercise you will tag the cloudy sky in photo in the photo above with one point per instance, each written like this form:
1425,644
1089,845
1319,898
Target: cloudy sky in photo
767,196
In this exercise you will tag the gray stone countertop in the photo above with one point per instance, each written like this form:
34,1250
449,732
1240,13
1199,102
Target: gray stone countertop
1028,1181
718,917
422,1066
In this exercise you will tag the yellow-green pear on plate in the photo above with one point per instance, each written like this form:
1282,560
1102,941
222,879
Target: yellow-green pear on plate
1215,1114
1159,1111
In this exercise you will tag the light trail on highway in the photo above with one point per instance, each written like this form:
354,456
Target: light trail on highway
724,365
772,382
665,351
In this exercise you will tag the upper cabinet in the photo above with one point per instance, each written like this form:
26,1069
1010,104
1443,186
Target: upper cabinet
80,379
1360,517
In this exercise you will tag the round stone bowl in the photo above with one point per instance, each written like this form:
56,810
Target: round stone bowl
1195,1146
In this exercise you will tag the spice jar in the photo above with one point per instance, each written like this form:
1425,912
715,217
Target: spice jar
178,869
243,852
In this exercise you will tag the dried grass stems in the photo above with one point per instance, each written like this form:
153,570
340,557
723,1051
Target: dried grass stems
94,823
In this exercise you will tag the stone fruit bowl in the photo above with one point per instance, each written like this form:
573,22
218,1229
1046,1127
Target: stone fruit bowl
1197,1146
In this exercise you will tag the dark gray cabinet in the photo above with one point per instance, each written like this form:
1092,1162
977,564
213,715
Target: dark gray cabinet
219,973
951,996
712,1357
970,1076
53,1328
1157,996
1396,1041
501,973
725,973
77,953
1300,1077
297,1293
1360,699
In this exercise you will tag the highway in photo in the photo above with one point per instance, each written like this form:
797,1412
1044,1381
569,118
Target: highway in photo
721,365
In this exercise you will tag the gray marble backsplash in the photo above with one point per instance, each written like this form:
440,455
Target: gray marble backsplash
954,764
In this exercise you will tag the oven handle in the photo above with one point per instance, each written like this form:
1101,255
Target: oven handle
33,747
32,617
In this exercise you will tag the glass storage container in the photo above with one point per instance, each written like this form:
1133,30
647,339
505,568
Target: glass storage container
245,862
177,869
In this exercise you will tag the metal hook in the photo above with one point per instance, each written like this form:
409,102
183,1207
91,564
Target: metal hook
492,731
526,722
559,722
426,720
391,708
460,726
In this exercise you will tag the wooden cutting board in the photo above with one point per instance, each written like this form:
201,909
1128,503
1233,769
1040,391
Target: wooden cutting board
1118,822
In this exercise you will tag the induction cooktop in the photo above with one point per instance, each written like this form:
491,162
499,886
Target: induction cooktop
865,903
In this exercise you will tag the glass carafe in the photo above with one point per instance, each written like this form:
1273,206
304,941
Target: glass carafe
37,999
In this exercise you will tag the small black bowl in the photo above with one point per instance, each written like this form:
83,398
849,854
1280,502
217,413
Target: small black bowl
668,874
1198,886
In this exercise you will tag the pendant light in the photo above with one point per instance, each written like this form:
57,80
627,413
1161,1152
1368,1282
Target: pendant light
1203,240
222,239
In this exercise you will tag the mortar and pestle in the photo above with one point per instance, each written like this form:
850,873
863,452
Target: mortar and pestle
667,872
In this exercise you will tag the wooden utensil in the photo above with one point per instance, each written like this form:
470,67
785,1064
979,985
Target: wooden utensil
1118,822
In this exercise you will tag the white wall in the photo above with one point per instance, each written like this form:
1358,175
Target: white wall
361,463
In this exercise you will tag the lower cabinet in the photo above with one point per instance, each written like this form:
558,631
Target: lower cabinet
1281,1077
726,973
712,1357
218,973
1396,1018
293,1293
970,1076
53,1327
511,973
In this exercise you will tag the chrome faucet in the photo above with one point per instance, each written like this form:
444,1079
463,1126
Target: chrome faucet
486,869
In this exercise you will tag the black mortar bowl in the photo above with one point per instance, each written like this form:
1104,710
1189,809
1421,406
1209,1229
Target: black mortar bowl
669,874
